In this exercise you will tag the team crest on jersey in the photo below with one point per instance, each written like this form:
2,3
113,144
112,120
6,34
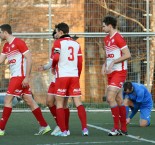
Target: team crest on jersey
12,45
112,40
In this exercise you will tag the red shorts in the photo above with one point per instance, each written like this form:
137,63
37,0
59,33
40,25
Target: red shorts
15,87
117,78
51,89
68,86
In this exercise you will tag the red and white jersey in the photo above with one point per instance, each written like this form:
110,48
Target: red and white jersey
113,47
68,61
14,52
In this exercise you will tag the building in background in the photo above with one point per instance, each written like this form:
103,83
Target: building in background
32,17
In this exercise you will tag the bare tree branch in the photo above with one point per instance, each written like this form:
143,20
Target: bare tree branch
104,5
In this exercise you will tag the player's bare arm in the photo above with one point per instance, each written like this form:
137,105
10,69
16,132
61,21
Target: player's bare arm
46,66
125,55
28,57
103,70
2,58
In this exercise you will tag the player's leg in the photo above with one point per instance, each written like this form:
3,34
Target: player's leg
67,115
75,92
122,113
44,127
50,101
61,86
6,113
60,116
111,99
82,115
145,116
14,84
128,105
116,80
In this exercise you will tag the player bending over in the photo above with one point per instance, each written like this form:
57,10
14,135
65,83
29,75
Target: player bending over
137,97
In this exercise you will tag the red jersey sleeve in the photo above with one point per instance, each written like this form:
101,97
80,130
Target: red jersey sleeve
52,52
22,47
56,53
120,41
79,65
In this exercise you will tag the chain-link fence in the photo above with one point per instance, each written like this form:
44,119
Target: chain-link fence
34,20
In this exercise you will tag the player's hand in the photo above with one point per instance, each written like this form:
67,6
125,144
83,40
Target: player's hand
128,120
25,82
41,68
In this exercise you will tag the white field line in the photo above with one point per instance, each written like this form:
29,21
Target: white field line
104,142
131,136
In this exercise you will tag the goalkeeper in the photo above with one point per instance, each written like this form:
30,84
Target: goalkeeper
137,97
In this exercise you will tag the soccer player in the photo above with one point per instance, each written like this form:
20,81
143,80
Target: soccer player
20,61
67,60
115,66
137,97
50,100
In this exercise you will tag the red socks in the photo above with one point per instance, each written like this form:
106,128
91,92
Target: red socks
82,116
61,118
115,115
122,113
38,115
5,116
53,112
67,115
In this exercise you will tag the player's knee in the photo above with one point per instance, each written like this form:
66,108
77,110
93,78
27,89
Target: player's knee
49,103
110,99
144,123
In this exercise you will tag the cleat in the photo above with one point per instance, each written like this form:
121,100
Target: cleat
123,132
56,129
114,132
2,132
68,132
59,133
43,130
85,132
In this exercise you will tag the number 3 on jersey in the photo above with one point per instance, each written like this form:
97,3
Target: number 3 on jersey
71,56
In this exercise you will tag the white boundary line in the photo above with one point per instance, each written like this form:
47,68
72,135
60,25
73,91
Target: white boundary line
79,143
131,136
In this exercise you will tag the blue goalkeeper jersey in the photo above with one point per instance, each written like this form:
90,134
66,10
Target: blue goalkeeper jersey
140,94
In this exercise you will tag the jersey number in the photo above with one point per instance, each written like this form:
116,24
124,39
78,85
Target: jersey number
71,57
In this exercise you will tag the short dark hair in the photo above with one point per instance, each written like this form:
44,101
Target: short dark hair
63,27
110,20
127,86
6,27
